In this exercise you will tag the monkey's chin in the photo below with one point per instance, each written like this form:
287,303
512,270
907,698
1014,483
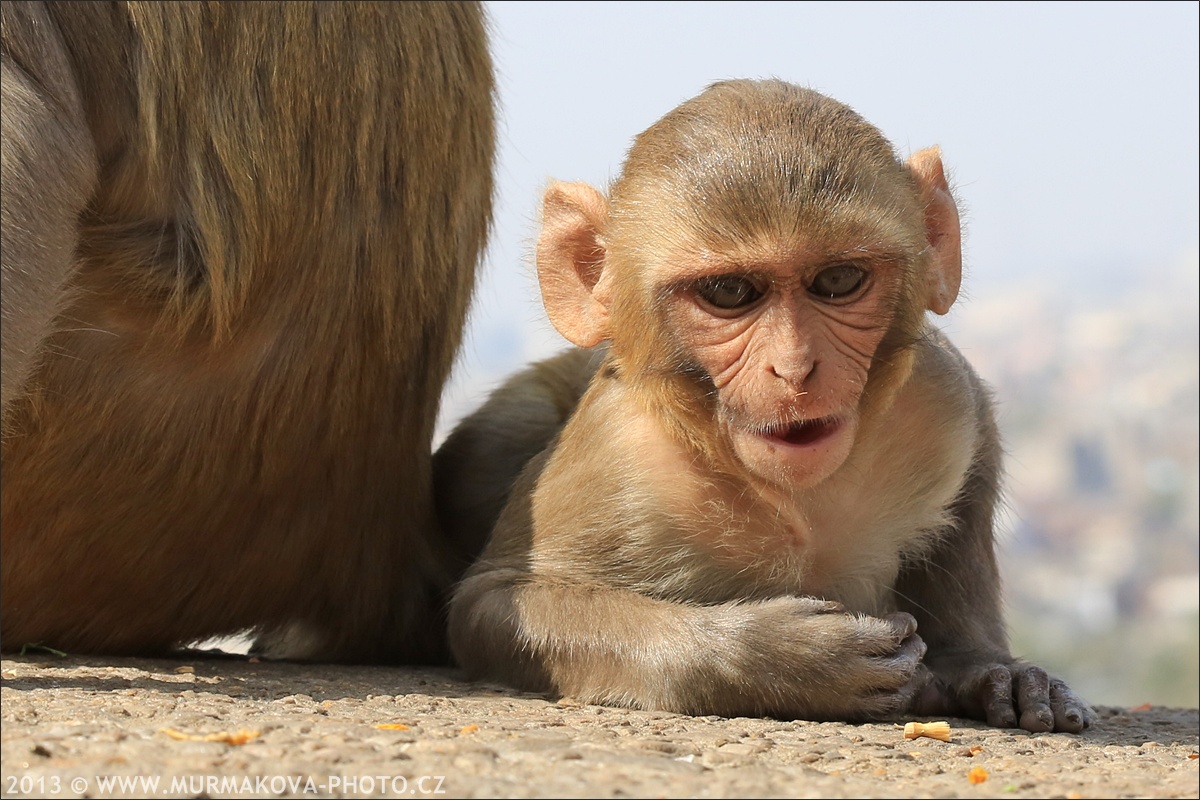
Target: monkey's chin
798,455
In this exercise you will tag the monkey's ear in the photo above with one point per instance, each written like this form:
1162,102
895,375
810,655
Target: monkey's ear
942,229
570,261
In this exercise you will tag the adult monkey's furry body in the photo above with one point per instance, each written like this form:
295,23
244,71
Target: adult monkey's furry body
239,240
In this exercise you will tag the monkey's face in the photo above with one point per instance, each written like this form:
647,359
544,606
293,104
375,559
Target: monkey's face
764,252
787,344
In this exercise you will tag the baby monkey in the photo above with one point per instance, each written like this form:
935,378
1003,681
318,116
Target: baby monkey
772,491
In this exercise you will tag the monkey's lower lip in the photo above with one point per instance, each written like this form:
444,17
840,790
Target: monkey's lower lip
805,432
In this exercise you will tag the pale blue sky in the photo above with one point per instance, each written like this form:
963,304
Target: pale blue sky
1070,129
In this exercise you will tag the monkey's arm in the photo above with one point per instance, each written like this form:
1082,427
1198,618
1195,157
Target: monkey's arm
48,171
954,593
787,656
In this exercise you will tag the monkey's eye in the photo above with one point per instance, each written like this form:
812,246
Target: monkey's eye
838,282
728,292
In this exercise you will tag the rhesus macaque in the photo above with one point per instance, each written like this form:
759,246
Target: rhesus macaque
239,240
777,494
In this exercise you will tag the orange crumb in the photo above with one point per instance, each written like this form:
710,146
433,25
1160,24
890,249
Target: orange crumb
977,775
468,729
226,737
1193,755
241,737
1142,707
392,726
976,750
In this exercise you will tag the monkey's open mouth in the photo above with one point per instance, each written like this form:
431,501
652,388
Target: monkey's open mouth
804,432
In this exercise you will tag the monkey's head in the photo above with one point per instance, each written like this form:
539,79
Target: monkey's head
761,268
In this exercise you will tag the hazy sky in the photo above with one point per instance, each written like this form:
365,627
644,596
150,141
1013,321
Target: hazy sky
1070,129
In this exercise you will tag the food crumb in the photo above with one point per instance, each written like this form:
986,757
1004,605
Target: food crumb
977,775
226,737
932,730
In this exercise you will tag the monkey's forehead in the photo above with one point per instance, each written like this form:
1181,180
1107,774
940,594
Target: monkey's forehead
767,174
767,185
708,229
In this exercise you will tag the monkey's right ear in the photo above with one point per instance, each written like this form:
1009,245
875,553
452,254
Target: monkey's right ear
570,262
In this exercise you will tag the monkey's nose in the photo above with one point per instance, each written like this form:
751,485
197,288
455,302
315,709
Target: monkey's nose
796,374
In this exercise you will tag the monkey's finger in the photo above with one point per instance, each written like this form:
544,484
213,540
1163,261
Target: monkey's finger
900,679
904,625
996,695
910,653
1070,713
916,687
1033,699
898,672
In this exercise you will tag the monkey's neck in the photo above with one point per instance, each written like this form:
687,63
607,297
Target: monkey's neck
685,413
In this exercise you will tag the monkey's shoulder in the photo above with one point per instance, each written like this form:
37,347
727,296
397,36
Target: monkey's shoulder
947,394
936,420
911,460
942,374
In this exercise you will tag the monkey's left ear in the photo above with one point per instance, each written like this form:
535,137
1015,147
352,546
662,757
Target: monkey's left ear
570,262
942,229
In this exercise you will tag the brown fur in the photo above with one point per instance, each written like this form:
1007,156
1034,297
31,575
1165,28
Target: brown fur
657,553
533,405
231,426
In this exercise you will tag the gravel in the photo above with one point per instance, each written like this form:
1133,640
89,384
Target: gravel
77,727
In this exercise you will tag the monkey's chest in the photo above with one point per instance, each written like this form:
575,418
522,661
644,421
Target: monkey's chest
846,547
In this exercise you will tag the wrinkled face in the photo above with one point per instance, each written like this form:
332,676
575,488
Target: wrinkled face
763,254
787,342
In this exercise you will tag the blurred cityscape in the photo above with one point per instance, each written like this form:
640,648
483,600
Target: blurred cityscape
1095,374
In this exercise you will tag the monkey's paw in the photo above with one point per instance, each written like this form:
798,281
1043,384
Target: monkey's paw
1005,695
828,664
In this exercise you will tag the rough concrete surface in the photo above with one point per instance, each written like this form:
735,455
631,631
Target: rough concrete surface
76,727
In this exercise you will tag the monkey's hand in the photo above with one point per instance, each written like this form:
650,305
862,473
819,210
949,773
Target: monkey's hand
1004,693
811,659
